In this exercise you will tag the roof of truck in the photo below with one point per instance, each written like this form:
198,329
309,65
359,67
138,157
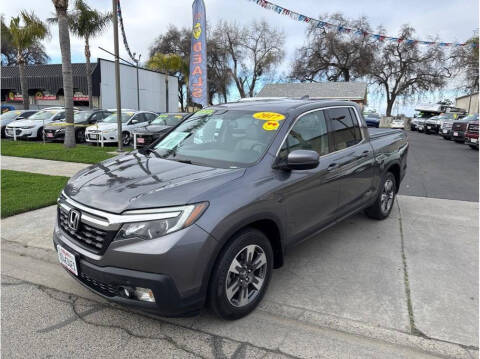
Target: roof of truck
280,105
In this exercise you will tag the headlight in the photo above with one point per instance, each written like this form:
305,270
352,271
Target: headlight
62,130
174,220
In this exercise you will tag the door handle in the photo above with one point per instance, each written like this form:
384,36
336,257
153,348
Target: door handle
365,153
332,166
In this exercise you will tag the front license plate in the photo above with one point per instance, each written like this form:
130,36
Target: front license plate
93,137
473,140
455,133
445,131
420,127
67,259
49,134
140,140
429,127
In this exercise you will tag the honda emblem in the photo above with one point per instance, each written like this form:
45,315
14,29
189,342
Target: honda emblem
73,219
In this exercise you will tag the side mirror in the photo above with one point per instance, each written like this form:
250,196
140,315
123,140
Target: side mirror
300,160
134,121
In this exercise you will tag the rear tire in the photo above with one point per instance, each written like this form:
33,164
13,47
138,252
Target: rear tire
80,136
126,139
383,205
241,275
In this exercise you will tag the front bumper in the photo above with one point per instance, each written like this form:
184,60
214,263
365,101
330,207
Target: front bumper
53,135
20,133
174,267
431,128
457,135
144,139
96,137
471,141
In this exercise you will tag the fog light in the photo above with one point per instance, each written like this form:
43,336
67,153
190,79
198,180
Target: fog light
144,294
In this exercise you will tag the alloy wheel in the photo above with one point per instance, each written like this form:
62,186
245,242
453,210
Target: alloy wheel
246,275
126,139
388,195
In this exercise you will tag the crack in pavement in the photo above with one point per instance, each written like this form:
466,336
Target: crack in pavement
413,328
216,342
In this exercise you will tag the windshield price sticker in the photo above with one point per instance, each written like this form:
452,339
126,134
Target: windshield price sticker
172,140
270,125
268,116
163,115
206,111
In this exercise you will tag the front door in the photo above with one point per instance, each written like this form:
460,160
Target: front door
309,196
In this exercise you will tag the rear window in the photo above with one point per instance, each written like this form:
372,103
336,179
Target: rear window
345,128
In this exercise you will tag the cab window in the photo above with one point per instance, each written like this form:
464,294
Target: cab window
344,127
309,133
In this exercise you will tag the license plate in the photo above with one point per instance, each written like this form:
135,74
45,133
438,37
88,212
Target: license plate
474,140
455,133
429,127
49,134
67,259
420,127
94,137
445,131
140,140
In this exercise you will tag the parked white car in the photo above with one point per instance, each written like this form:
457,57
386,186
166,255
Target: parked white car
398,123
33,126
107,129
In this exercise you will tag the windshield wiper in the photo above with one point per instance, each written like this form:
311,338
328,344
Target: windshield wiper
182,161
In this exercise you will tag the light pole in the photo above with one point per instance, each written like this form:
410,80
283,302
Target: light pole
138,87
117,75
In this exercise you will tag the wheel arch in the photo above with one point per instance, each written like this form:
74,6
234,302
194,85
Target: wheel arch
395,169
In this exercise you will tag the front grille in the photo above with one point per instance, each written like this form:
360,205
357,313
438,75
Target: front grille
473,128
104,288
9,132
458,126
93,239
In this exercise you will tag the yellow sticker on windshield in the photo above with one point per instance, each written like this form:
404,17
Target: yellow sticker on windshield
268,116
270,125
178,116
206,111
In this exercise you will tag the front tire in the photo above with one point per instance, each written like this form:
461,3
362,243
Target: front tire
80,136
384,203
241,275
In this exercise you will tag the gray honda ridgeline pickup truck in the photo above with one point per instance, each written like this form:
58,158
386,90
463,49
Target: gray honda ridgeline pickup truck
203,215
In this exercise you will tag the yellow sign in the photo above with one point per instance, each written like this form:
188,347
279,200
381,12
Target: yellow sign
270,125
268,116
178,116
197,31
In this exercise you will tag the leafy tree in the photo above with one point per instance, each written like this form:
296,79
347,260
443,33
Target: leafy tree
401,68
87,23
175,41
465,62
334,55
24,33
61,7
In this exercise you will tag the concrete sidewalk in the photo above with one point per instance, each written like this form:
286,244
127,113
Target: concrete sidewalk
46,167
403,287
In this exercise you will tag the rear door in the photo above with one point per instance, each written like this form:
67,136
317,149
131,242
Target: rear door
354,159
310,196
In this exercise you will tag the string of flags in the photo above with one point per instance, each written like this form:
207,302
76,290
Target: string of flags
343,29
125,43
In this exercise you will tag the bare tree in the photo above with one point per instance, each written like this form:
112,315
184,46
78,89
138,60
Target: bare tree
219,77
465,62
403,69
253,52
335,55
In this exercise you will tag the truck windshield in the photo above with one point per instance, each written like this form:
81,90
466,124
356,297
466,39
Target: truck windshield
226,139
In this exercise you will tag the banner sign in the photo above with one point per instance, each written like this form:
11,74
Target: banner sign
342,29
197,80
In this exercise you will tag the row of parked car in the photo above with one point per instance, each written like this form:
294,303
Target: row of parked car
91,126
455,126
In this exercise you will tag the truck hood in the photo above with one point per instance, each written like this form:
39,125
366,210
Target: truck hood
136,181
154,129
102,126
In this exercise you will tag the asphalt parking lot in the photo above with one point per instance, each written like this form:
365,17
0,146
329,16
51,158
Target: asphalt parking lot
403,287
438,168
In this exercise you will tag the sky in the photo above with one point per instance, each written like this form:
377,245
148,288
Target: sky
144,20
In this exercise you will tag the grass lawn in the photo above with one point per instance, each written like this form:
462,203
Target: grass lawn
24,191
56,151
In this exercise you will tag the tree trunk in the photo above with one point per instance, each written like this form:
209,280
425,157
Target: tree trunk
390,103
23,82
89,73
346,75
64,37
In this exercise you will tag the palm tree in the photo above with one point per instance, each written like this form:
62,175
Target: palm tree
61,7
169,64
86,23
25,31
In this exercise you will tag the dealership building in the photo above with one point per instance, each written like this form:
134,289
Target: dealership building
140,88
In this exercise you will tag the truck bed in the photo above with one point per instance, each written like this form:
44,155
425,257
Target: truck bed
380,132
